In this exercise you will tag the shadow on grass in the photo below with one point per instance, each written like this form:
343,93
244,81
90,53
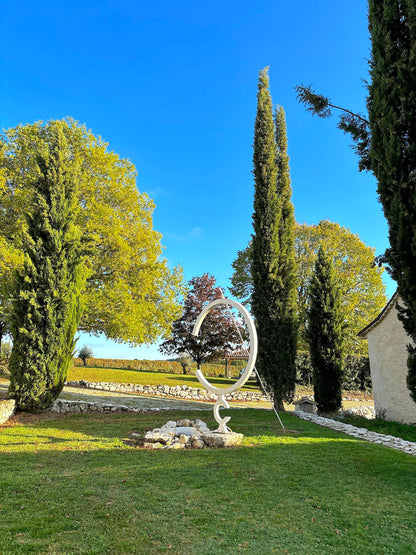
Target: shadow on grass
307,490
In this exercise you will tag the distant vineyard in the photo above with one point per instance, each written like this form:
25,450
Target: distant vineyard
167,366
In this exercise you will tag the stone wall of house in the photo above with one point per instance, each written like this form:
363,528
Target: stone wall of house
7,408
388,362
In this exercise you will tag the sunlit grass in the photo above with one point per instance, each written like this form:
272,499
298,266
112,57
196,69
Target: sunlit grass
139,377
405,431
70,485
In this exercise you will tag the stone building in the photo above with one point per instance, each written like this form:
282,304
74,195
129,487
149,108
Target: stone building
387,351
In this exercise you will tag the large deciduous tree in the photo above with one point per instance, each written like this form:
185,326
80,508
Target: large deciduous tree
47,303
385,141
325,335
273,266
358,277
131,295
219,333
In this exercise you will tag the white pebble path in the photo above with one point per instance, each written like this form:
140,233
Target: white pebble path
408,447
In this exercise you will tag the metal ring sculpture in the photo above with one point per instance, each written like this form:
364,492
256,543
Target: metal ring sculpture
222,391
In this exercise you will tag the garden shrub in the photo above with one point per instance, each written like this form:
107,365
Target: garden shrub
357,375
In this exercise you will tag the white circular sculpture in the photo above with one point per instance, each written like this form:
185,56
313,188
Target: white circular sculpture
222,391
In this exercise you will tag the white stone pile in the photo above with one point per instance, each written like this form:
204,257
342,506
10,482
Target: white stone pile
361,433
185,434
183,391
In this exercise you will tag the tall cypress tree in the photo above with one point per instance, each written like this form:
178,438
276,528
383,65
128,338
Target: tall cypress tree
392,115
273,255
325,335
46,309
386,143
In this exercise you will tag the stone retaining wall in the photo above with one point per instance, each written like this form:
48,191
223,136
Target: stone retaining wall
185,392
74,407
7,409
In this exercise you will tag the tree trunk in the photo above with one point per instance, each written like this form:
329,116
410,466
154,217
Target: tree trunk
278,404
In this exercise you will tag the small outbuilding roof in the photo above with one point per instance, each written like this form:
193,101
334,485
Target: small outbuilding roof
392,302
242,354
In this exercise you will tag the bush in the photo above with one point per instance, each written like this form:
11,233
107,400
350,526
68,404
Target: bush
166,366
357,375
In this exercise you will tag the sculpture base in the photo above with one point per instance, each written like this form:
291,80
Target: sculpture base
218,439
184,434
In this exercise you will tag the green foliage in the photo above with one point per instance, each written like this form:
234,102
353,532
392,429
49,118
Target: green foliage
218,334
186,362
356,375
6,349
273,263
385,143
131,295
325,335
392,114
47,304
85,353
358,277
354,124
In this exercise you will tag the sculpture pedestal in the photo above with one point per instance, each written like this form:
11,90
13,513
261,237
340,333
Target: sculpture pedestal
217,439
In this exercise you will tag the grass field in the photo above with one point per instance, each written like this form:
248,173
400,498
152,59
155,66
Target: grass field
115,375
405,431
70,485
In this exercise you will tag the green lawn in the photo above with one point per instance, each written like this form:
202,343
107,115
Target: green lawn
115,375
70,485
405,431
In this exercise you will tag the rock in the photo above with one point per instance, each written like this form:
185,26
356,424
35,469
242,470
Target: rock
201,426
183,439
185,422
216,439
198,444
158,437
186,430
176,446
153,445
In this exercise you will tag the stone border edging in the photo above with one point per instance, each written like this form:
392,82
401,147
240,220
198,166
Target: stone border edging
7,409
408,447
184,392
66,406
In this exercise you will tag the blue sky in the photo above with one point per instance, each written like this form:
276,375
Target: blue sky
172,86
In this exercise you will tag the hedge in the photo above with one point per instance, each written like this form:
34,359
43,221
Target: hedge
356,375
166,366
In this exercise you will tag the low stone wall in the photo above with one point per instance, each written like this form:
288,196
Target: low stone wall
182,391
75,407
7,408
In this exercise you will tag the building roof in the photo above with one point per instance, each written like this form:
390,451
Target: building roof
242,354
392,302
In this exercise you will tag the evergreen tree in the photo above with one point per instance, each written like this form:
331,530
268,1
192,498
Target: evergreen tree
386,143
392,115
46,309
325,335
273,256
